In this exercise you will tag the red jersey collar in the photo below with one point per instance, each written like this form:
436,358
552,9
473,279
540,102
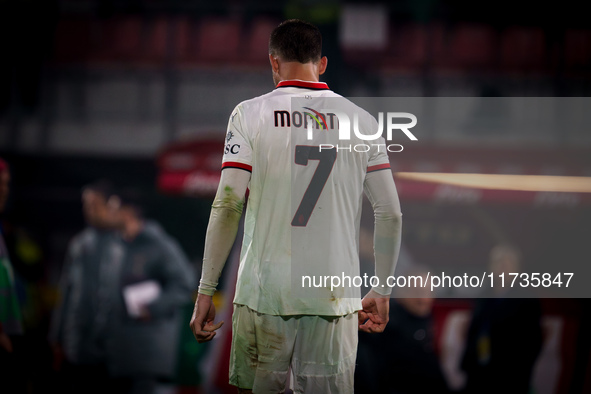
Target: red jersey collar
295,83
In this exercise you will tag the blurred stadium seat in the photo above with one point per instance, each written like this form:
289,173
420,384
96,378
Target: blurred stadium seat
468,47
523,49
184,43
219,40
72,40
577,50
409,46
127,41
461,48
155,40
116,40
257,41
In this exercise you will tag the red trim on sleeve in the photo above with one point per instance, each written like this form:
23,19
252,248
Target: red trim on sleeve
378,167
235,164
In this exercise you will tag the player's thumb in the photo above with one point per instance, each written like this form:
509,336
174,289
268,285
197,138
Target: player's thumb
209,326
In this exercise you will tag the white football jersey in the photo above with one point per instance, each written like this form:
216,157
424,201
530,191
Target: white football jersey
304,202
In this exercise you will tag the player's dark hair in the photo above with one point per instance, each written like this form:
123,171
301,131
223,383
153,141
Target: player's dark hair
295,40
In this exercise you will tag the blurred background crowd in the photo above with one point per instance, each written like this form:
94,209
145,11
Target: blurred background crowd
125,103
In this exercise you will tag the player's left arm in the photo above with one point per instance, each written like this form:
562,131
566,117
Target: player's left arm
221,233
381,191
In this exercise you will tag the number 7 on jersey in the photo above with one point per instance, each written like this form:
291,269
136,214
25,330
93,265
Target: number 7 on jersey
326,159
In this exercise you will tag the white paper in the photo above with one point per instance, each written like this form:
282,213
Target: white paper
140,294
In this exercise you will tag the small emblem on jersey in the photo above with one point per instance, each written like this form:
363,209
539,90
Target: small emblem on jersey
233,149
232,118
308,97
229,136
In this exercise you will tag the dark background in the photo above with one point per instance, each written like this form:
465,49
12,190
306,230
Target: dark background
99,89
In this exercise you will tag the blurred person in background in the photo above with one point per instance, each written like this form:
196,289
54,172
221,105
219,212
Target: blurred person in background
504,336
402,359
11,321
77,331
152,281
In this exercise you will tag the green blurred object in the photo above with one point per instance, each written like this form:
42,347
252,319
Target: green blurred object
313,12
190,352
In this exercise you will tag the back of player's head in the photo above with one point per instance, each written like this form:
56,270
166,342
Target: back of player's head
295,40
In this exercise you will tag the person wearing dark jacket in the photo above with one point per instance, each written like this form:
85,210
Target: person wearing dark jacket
505,335
77,331
153,280
123,285
403,359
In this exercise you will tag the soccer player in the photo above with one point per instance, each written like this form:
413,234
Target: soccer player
275,330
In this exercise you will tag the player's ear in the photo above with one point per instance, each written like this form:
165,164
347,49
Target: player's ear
274,63
322,65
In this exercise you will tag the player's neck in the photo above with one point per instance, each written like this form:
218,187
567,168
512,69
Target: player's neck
303,72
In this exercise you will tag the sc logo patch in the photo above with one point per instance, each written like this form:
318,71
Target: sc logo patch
233,149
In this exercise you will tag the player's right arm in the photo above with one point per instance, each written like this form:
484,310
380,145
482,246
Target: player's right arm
221,233
224,219
383,196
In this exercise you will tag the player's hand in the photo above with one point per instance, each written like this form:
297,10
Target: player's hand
374,315
202,321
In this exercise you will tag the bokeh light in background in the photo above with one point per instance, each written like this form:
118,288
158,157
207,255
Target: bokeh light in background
140,92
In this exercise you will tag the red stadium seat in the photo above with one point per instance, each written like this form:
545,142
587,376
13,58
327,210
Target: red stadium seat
469,47
128,41
577,49
155,41
185,47
523,49
257,45
218,40
409,46
118,40
72,40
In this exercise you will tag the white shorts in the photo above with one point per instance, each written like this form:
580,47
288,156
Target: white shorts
318,352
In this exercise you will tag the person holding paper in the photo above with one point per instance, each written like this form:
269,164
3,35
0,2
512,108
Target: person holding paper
153,282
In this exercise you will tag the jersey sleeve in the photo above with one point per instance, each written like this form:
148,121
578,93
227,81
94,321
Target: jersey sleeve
378,156
237,147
